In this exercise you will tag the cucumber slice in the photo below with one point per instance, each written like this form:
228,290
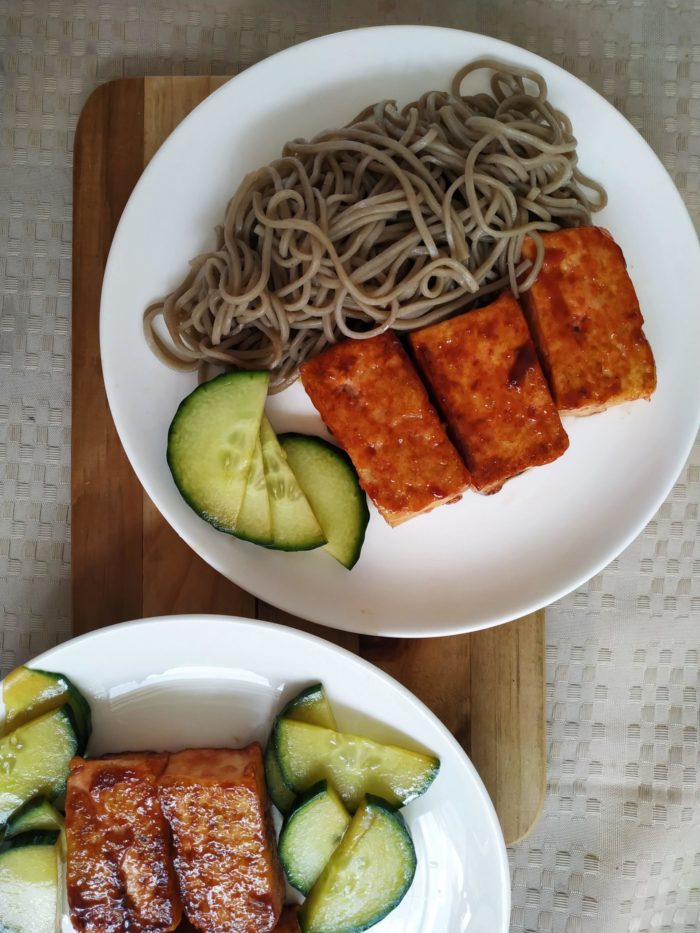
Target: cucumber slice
28,693
294,525
211,442
34,760
354,765
329,481
29,873
311,705
367,876
311,834
255,518
39,815
282,797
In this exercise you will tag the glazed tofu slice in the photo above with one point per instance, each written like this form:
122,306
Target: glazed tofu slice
225,854
372,399
586,322
288,923
485,377
119,872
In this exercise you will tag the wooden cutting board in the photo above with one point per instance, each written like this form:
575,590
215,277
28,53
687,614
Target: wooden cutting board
487,687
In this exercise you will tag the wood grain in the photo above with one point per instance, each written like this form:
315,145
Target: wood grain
487,687
437,670
507,719
167,102
176,580
269,613
106,496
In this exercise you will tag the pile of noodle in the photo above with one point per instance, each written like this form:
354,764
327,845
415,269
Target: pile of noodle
397,220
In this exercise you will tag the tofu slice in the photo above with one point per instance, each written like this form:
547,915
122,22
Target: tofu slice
372,399
119,872
225,853
586,322
288,922
483,370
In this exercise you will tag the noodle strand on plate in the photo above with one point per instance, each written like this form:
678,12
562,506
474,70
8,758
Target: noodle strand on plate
396,220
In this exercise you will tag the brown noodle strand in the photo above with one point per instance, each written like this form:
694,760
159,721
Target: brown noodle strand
397,220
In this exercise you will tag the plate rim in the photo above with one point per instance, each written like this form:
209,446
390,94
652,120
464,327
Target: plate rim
267,629
453,625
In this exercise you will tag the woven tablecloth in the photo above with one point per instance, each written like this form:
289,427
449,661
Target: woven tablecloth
618,845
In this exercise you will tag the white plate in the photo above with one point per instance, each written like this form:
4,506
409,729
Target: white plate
486,559
198,681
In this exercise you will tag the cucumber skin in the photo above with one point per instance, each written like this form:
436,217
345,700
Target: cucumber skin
82,717
37,837
80,708
301,803
313,439
60,788
378,803
418,792
305,699
283,796
26,815
373,802
21,854
182,408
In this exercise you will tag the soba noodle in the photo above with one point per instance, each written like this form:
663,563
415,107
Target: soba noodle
397,220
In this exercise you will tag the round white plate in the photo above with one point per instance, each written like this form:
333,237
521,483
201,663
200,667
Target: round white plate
488,558
212,681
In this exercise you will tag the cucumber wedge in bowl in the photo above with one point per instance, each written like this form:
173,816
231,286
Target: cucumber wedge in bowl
367,875
39,815
312,706
311,834
29,877
354,765
28,693
34,760
282,797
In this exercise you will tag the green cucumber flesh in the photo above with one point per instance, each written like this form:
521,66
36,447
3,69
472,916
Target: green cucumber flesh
329,481
34,760
354,765
294,525
255,518
367,876
211,443
282,797
311,834
39,815
29,878
28,693
311,705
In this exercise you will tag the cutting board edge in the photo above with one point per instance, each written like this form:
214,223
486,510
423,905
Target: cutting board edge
100,98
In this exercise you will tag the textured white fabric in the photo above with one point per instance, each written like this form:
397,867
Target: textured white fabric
618,845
